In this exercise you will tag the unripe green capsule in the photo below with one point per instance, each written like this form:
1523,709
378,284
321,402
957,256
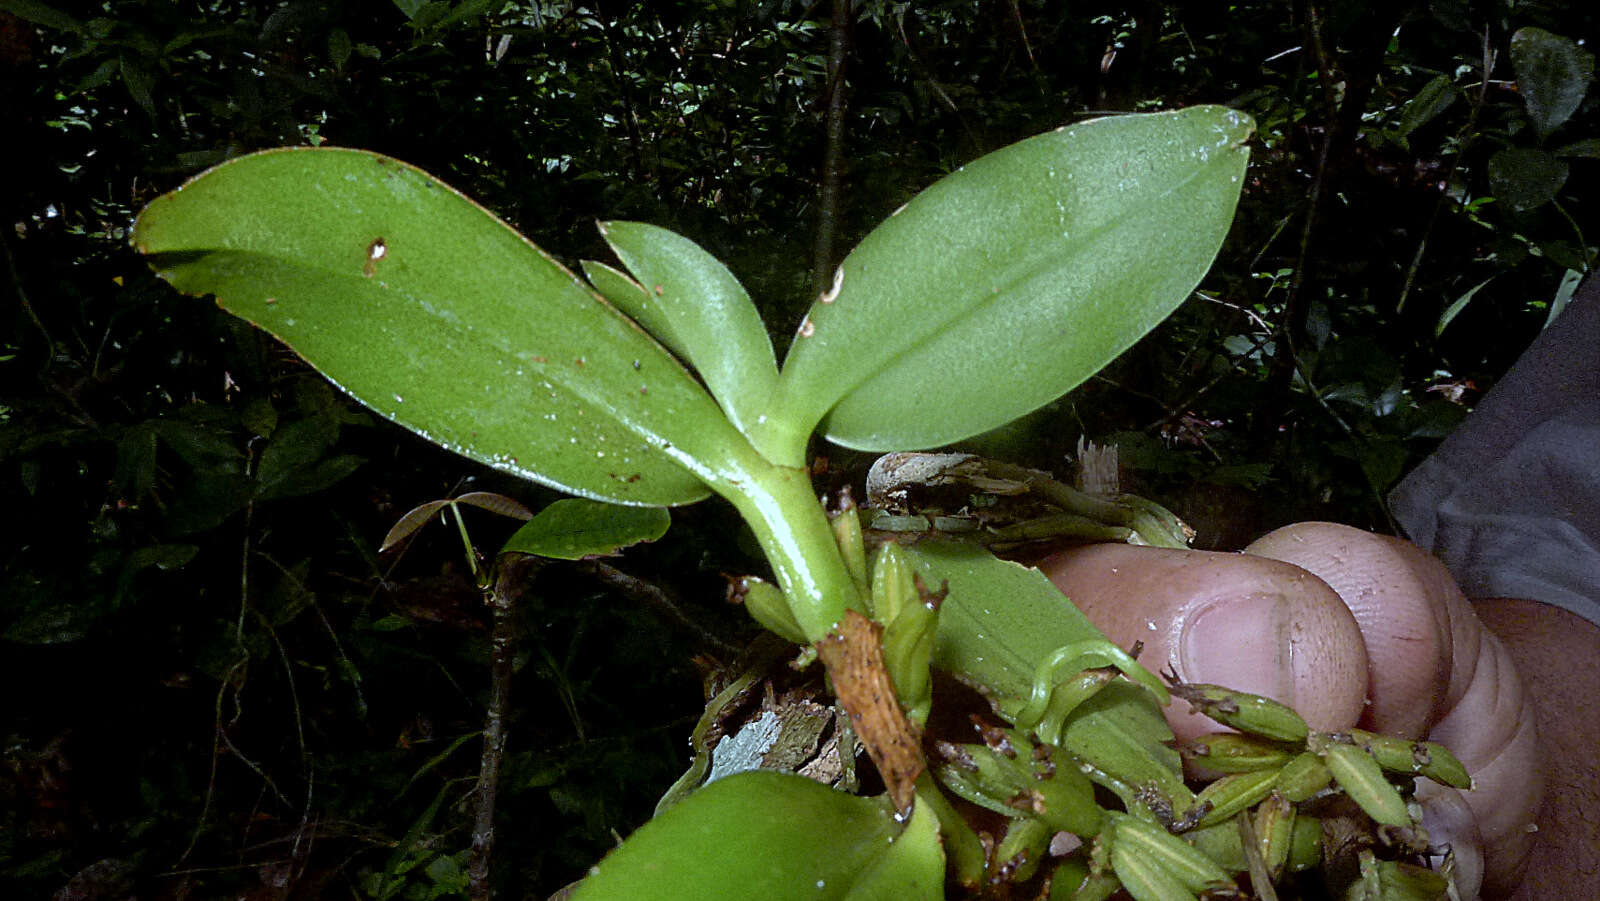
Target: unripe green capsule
1028,784
1146,879
1235,752
1407,882
1026,843
1241,710
1363,780
1415,758
768,606
1302,777
1231,794
1093,887
1274,822
847,534
893,585
1177,857
907,651
1075,881
1305,844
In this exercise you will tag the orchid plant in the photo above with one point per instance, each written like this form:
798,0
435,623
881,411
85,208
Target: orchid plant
654,383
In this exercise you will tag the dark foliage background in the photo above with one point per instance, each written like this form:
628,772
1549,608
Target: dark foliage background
213,684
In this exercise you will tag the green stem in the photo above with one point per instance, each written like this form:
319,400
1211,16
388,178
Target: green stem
779,504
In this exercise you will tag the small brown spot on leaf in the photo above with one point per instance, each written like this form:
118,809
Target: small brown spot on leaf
376,251
659,291
539,359
807,328
578,362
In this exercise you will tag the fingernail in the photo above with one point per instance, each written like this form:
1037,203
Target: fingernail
1242,642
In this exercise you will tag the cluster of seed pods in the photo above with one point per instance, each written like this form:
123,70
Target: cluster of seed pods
1273,793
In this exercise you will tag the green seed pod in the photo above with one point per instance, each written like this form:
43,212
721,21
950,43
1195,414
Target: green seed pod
1026,843
1414,758
1406,882
893,587
1302,777
1145,878
847,534
1241,710
907,651
1177,857
1274,822
1020,780
768,606
1305,844
1093,887
1091,879
1235,752
1231,794
1363,780
1221,843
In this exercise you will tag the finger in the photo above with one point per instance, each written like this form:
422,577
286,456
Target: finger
1245,622
1436,672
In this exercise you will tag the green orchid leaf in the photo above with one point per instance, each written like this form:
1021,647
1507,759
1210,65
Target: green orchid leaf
694,305
575,527
999,620
774,836
442,318
617,287
1553,75
1015,278
912,868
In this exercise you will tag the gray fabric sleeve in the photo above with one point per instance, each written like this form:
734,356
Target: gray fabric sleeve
1511,500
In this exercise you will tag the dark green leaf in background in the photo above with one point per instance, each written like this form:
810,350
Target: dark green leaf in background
1434,98
1525,177
1553,74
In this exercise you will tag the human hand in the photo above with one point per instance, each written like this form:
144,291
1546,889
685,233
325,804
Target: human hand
1351,629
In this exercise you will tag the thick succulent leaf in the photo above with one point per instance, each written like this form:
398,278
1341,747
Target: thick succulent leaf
442,318
698,309
575,527
1000,618
765,835
1015,278
1553,74
910,869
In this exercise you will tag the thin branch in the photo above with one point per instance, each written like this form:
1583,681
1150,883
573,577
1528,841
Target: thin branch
656,596
833,152
1464,138
501,596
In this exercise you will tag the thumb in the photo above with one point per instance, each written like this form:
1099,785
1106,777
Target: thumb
1436,673
1248,623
